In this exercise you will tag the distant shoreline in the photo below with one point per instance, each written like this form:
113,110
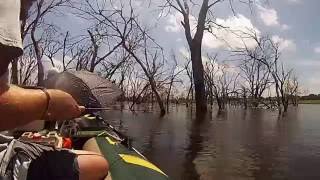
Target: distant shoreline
309,101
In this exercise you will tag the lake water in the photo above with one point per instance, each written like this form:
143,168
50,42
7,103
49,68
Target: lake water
235,145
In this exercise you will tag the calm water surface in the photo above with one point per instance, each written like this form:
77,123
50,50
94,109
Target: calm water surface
236,145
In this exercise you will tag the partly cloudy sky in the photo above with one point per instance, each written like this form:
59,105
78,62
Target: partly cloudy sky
293,23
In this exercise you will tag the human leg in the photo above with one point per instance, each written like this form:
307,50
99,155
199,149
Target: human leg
91,165
68,165
54,165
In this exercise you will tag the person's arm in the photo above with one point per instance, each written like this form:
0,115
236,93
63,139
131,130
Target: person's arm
20,106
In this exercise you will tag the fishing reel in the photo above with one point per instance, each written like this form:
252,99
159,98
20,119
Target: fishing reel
88,122
69,128
92,125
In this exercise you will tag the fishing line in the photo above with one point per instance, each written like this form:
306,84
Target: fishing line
111,109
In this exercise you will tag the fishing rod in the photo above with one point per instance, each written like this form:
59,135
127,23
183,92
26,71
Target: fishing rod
111,109
125,140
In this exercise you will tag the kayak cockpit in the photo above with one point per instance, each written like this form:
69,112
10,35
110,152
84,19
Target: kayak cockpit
92,133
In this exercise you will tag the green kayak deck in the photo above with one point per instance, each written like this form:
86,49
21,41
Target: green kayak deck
125,163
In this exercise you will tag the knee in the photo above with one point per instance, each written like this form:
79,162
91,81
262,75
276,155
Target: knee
92,167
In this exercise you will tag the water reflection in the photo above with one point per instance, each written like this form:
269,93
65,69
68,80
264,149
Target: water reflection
196,129
237,144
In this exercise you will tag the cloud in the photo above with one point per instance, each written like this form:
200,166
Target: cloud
307,71
284,44
230,37
317,49
184,52
294,1
268,16
285,27
312,84
137,3
173,23
47,64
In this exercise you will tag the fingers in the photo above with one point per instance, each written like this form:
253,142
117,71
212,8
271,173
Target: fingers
63,106
78,111
82,109
75,111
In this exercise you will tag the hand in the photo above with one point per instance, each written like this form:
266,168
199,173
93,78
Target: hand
62,106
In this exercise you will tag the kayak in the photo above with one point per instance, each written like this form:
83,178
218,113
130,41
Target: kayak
124,160
92,133
125,163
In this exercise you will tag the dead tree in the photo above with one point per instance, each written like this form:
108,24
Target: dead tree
211,71
135,86
174,73
53,48
64,47
35,20
205,22
257,78
26,67
127,32
244,97
190,90
268,53
119,60
149,65
292,88
212,81
221,82
97,41
125,71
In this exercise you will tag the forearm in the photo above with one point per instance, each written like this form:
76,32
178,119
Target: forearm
20,106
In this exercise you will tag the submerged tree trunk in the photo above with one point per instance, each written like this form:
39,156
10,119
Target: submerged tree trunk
220,104
168,95
136,98
197,68
278,98
285,107
245,101
195,46
285,101
159,100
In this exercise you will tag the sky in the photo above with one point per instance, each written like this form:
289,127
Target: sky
294,23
